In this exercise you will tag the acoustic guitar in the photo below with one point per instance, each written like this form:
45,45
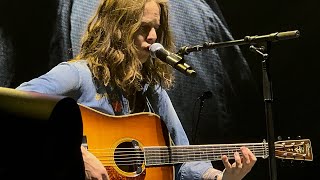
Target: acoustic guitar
137,146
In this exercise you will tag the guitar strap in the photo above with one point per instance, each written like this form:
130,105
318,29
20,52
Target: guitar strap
150,109
170,140
139,102
122,105
148,103
116,100
142,103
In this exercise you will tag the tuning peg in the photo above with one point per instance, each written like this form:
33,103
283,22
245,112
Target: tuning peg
298,137
291,163
279,138
283,163
289,138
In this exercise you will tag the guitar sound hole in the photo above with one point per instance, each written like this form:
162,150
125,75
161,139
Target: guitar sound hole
129,157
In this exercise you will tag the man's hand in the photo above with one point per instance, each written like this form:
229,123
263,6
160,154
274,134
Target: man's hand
94,169
240,167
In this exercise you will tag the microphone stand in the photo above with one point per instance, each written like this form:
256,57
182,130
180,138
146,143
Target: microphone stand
268,99
205,95
194,132
267,89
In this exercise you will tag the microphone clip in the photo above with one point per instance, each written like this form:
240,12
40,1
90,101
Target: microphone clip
173,59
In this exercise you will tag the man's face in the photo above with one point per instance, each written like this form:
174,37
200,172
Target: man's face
147,33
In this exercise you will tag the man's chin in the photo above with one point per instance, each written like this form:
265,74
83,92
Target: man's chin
144,58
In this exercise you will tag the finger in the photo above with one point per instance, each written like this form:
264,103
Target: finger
237,160
245,154
105,177
238,164
226,162
252,157
247,163
88,175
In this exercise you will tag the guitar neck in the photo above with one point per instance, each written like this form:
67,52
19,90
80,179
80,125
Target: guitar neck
162,155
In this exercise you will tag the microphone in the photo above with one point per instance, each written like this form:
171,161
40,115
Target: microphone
174,60
273,37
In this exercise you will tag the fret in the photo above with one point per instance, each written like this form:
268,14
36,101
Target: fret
203,153
253,149
174,157
195,153
149,156
206,153
155,157
152,156
161,157
189,151
167,155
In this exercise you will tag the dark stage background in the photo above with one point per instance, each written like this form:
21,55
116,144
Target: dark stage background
27,28
293,65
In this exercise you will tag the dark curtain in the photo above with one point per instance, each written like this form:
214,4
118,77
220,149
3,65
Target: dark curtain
293,67
26,28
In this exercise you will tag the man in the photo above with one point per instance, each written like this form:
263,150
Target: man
115,74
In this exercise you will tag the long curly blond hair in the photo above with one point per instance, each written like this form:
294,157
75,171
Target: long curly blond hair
109,48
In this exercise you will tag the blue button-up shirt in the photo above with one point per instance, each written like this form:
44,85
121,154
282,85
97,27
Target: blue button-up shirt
74,79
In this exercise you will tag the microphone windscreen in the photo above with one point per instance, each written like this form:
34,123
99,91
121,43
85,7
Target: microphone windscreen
153,48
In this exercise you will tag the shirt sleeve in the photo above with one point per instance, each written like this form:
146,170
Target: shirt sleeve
60,80
162,105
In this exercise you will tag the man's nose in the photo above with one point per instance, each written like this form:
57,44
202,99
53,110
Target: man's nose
152,36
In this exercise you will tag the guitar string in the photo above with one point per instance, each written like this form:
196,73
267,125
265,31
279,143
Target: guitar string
158,160
180,152
163,161
189,148
260,151
183,158
213,146
155,162
155,155
176,154
135,150
185,147
111,152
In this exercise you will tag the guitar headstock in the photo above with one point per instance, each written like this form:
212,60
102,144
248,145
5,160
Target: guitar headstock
294,149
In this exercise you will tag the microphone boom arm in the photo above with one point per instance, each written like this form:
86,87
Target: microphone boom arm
273,37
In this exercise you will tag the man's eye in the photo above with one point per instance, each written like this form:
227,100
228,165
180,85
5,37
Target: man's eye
144,29
158,29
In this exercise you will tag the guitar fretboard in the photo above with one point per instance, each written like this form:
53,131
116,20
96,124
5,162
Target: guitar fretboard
179,154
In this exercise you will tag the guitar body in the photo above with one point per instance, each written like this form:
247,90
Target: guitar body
136,146
108,136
